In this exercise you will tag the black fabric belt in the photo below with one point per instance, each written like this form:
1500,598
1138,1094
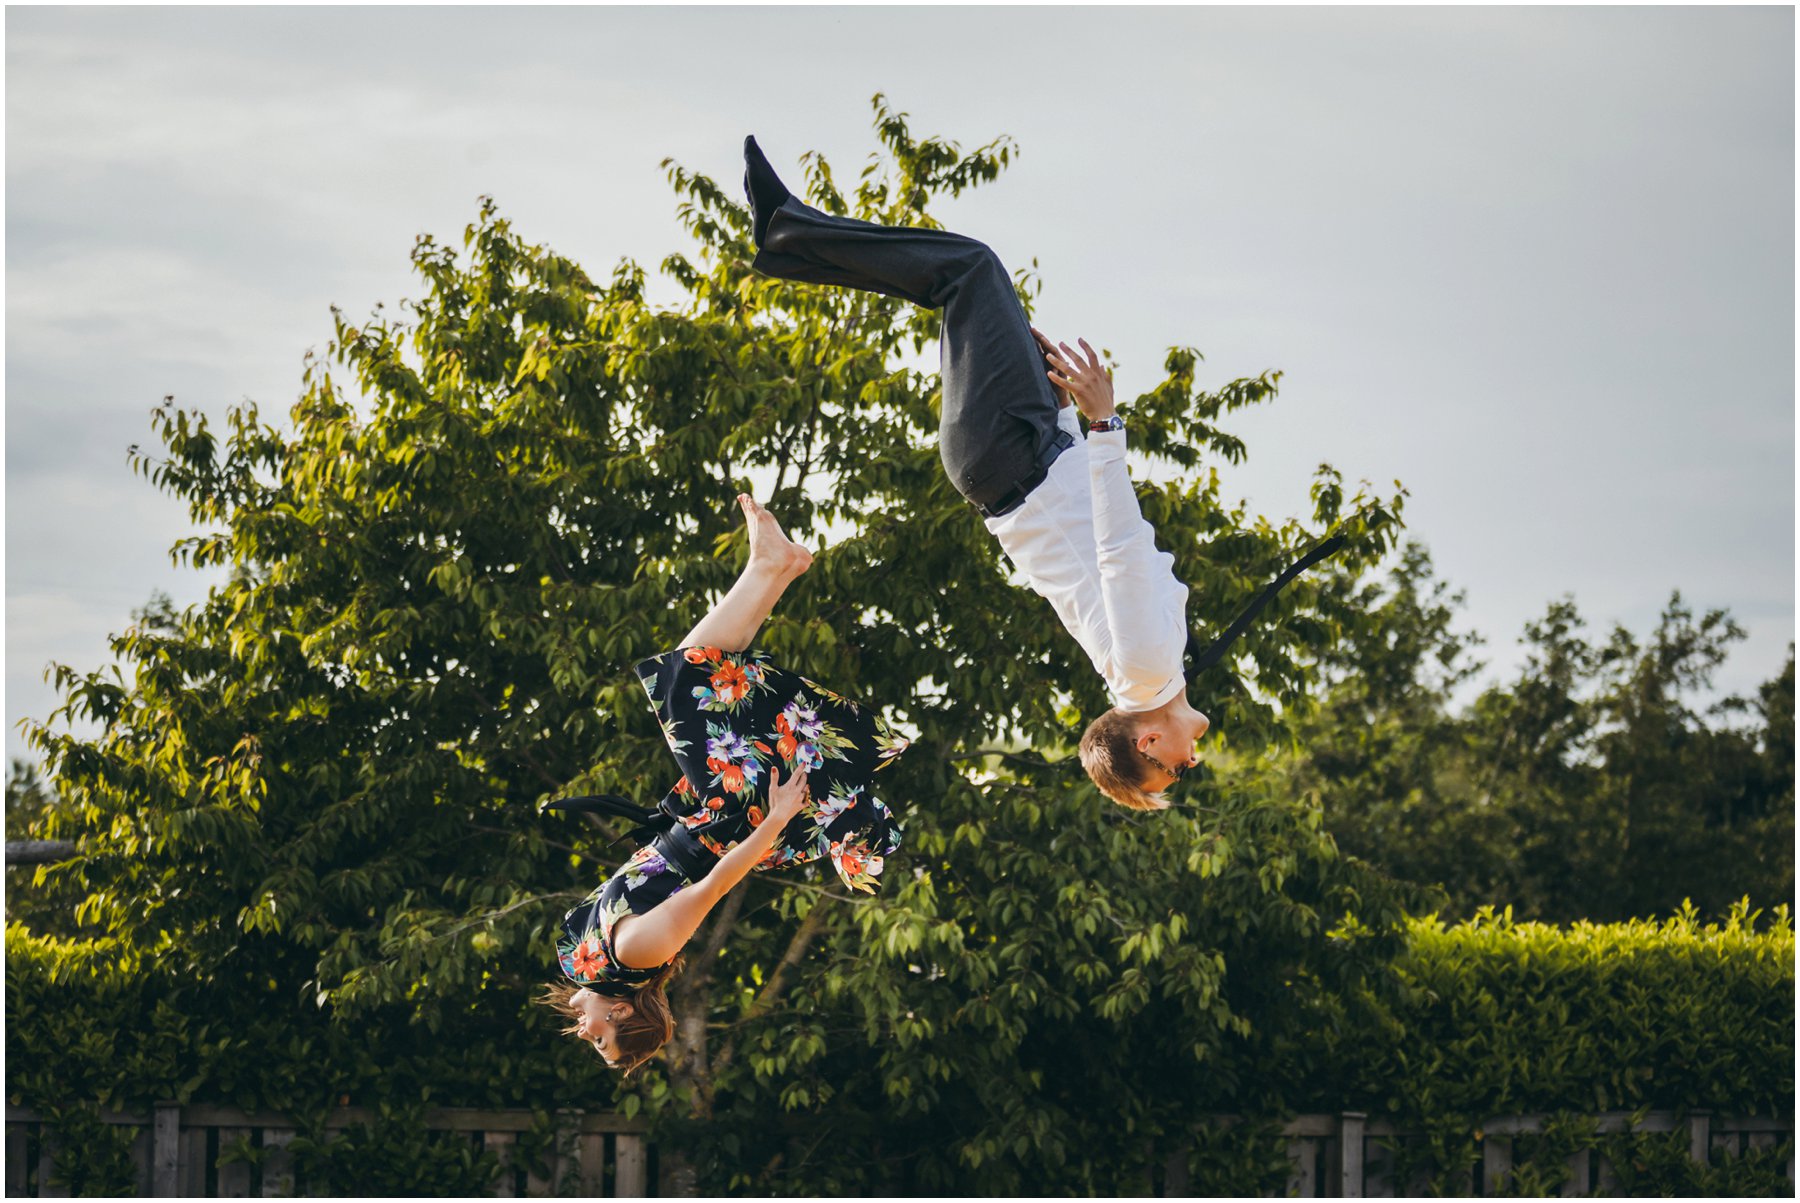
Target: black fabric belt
655,826
1015,497
678,846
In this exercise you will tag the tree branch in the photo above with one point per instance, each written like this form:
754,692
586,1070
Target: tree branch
691,1062
772,989
490,916
38,852
796,951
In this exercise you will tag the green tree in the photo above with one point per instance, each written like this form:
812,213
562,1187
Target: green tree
47,907
1586,788
1384,746
318,788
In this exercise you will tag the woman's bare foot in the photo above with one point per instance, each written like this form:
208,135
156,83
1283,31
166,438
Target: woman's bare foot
770,548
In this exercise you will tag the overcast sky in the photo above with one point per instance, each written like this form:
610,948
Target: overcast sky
1535,263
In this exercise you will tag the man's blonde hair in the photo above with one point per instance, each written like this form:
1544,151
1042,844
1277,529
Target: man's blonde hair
1110,755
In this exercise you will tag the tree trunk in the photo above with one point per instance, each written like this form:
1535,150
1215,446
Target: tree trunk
688,1062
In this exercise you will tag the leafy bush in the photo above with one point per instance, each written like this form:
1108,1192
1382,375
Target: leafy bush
1499,1018
1492,1017
96,1024
1504,1017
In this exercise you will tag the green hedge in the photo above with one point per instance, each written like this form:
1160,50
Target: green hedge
1506,1018
96,1024
1499,1018
1489,1017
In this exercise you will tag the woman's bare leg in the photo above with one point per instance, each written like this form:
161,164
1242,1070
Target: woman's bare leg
776,561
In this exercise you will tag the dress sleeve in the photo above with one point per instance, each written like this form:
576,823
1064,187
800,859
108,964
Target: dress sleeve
708,702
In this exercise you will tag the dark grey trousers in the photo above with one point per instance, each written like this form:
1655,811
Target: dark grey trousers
997,433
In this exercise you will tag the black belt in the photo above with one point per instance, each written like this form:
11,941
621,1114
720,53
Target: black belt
1014,497
680,848
655,826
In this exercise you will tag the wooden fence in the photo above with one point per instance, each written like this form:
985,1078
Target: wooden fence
1351,1156
179,1150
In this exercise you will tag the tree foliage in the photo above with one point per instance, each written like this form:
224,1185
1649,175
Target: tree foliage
318,788
1588,787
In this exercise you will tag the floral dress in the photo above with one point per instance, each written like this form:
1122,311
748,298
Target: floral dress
731,720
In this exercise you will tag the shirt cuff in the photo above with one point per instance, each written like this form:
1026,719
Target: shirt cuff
1106,447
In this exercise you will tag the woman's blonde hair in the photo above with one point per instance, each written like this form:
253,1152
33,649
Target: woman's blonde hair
1110,755
638,1035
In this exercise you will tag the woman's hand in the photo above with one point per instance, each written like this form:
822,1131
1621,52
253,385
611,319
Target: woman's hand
654,937
1086,380
787,799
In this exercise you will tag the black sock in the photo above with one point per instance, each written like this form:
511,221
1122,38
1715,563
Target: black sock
763,187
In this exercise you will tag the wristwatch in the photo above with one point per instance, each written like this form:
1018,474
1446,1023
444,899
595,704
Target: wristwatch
1102,425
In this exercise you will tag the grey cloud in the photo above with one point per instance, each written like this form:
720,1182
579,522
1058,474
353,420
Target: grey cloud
1537,263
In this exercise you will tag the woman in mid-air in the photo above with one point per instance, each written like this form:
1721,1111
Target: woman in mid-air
775,771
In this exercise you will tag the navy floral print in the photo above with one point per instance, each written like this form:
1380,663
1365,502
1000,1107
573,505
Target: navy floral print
733,721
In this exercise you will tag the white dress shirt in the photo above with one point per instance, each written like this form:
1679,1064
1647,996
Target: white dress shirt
1082,543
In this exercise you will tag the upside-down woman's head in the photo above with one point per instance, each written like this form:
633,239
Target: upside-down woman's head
625,1028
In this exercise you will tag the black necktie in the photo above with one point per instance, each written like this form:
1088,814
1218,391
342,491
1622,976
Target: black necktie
1202,658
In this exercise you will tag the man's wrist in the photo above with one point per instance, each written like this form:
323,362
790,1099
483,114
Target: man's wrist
1100,424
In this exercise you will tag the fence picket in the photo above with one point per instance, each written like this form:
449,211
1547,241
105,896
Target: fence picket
631,1181
1578,1183
1496,1164
234,1177
193,1163
1350,1154
565,1164
1699,1135
16,1134
1303,1154
167,1147
143,1160
501,1145
46,1167
277,1163
593,1163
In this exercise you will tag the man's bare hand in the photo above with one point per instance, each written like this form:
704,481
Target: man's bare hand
1063,399
1084,379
